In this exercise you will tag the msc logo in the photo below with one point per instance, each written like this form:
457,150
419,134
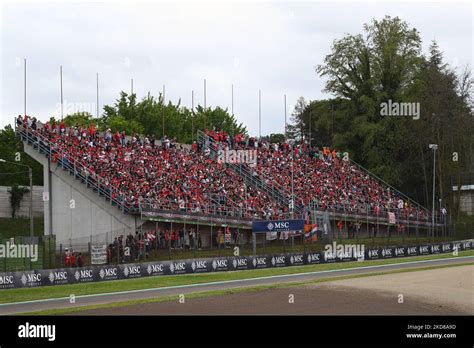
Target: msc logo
411,251
219,264
241,262
259,261
424,249
270,226
313,258
131,271
31,278
7,280
446,247
373,253
108,273
158,268
466,245
296,259
399,251
387,252
278,260
435,249
57,276
83,274
177,267
199,265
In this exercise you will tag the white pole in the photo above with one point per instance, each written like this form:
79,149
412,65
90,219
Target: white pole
24,87
285,114
163,113
97,94
61,81
205,105
232,106
434,188
192,114
259,115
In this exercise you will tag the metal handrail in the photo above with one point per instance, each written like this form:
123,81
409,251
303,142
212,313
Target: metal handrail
275,191
47,146
387,184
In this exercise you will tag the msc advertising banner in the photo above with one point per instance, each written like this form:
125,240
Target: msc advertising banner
277,226
49,277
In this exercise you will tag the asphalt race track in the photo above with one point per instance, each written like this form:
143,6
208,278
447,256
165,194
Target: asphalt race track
87,300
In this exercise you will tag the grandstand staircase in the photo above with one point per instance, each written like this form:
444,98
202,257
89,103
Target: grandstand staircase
251,177
96,210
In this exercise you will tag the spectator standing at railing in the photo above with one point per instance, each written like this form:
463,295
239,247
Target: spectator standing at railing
79,260
192,237
91,131
72,262
161,245
62,128
199,240
181,238
67,258
340,226
167,239
227,237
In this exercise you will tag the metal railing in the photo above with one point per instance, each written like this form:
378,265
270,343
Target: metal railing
75,167
393,189
250,176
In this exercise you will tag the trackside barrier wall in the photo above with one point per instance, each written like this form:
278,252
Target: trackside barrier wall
29,279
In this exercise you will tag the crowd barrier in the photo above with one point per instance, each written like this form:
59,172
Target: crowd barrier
50,277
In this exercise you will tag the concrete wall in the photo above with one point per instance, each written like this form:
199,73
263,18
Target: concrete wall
466,203
88,218
5,207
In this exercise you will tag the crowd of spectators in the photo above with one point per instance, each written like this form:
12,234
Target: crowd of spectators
322,178
164,175
137,170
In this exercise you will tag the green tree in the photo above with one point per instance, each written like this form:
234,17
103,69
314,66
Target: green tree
11,149
16,196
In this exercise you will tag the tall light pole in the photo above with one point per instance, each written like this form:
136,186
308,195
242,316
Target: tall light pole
24,87
284,98
61,83
205,105
433,147
97,94
163,113
131,86
192,115
232,107
30,175
310,119
259,115
292,205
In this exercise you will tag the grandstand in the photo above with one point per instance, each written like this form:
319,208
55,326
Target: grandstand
120,184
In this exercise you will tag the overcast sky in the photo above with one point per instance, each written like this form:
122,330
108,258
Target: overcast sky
270,45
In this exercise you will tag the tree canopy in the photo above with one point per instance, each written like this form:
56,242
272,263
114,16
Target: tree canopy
385,63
